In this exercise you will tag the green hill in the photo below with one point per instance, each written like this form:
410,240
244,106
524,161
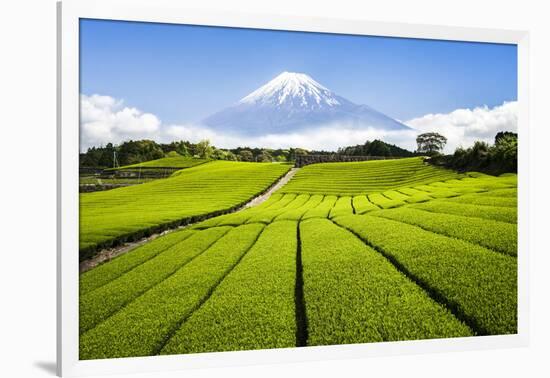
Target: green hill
365,177
409,252
117,215
166,162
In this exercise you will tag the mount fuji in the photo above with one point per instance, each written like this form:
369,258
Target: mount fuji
294,102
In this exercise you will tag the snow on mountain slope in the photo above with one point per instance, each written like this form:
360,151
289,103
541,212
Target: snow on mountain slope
294,89
293,102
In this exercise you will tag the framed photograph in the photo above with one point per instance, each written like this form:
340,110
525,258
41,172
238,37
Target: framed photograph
250,188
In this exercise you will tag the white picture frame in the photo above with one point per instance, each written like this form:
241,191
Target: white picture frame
164,11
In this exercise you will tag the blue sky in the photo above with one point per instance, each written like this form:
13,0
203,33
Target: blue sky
184,73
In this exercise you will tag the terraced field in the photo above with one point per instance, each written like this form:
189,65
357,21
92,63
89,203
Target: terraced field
405,257
96,180
365,177
167,162
140,173
188,195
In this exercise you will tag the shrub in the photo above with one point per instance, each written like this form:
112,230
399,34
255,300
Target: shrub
354,295
478,284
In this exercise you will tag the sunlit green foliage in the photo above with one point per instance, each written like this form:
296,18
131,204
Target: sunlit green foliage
253,308
189,195
499,236
141,327
428,254
354,295
480,285
99,304
174,161
365,177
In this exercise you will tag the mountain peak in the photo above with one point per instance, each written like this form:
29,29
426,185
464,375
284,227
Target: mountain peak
295,101
292,89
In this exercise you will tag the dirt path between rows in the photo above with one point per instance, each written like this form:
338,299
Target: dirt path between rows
264,197
110,253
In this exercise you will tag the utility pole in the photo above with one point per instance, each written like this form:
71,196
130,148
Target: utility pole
115,161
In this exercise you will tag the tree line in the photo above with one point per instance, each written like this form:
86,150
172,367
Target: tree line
500,157
376,148
133,152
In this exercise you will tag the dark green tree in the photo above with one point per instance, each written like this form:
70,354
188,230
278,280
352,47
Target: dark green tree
264,157
431,143
377,148
246,155
505,152
203,149
505,134
172,154
231,156
298,151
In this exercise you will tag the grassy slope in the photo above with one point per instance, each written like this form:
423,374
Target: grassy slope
97,305
478,283
253,308
167,162
94,180
354,295
364,177
205,189
142,326
410,261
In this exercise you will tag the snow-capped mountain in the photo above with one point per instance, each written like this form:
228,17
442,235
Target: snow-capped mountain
292,102
292,90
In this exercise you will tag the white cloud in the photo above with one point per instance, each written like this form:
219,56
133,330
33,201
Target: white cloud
323,138
105,119
463,127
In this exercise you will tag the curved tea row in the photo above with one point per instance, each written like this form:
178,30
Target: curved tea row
412,261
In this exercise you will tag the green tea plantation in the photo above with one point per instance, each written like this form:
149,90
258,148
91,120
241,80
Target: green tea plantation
189,195
343,253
